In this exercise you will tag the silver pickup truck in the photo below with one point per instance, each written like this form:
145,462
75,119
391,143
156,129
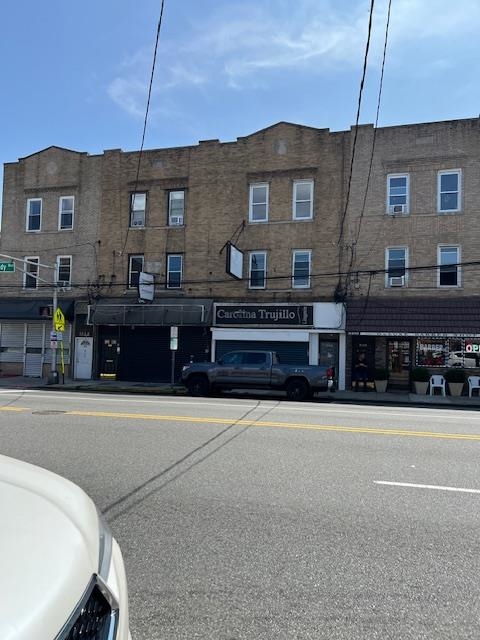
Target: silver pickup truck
256,370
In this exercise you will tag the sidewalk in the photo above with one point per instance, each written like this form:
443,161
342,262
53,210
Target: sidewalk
158,388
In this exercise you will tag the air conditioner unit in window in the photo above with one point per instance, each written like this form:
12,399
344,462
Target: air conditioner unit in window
137,223
396,281
176,221
397,208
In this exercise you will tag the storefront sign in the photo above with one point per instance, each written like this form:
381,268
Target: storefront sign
264,315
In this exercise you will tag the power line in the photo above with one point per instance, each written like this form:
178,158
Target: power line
347,200
147,109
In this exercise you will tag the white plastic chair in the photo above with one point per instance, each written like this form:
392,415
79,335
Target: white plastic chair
473,383
437,382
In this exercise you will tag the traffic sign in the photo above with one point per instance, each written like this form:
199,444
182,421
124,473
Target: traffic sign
7,267
59,320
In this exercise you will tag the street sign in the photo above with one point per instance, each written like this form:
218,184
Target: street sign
59,320
7,267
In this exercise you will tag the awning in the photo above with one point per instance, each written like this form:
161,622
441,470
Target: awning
33,308
425,316
167,313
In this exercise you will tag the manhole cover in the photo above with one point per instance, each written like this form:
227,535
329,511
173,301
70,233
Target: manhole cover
47,412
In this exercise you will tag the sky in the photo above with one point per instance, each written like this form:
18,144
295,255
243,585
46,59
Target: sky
76,74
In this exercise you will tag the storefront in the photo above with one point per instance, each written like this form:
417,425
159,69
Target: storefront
149,342
398,335
26,347
299,333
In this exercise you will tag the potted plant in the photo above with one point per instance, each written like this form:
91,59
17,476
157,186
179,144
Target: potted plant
420,377
381,379
456,379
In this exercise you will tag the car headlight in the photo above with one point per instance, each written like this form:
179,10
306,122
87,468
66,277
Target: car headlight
105,548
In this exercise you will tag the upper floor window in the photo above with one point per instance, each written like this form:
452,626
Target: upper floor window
448,266
30,276
138,205
301,268
258,270
64,271
449,190
135,267
395,266
34,214
258,206
174,271
397,193
65,212
303,199
176,208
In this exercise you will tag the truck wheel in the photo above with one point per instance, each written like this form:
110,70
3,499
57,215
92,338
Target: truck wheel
297,389
197,386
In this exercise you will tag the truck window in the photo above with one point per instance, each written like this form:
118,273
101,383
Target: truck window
253,357
234,357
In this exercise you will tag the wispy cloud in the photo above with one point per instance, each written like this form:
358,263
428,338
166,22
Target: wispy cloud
240,44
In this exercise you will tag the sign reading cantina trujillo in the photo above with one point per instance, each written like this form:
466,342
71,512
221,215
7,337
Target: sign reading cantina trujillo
272,315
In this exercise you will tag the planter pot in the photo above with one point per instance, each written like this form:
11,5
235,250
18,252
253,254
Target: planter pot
381,386
420,387
455,388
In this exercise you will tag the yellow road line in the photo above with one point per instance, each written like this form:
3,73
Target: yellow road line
17,409
280,425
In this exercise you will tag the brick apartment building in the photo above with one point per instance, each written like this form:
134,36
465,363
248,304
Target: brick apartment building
252,243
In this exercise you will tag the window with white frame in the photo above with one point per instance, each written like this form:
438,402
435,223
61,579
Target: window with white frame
258,207
257,270
449,274
397,193
176,208
138,206
34,214
64,271
301,268
174,271
303,199
135,267
65,212
449,191
30,276
396,266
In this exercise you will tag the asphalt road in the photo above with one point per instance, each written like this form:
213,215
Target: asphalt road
247,519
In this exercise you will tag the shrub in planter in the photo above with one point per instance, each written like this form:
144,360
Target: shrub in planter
456,379
381,373
455,375
420,374
420,378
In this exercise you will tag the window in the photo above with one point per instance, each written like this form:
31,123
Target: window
301,268
397,194
395,266
34,214
30,277
138,204
174,271
258,210
64,271
135,266
449,183
65,212
303,200
258,270
176,208
449,268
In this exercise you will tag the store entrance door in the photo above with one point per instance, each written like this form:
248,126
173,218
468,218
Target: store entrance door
399,360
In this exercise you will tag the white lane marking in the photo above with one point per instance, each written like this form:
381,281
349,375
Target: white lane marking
323,408
426,486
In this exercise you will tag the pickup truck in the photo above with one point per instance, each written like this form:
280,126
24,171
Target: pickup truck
256,370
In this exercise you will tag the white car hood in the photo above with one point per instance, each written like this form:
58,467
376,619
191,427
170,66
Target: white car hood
49,549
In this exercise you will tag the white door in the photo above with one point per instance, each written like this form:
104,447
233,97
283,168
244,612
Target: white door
83,358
